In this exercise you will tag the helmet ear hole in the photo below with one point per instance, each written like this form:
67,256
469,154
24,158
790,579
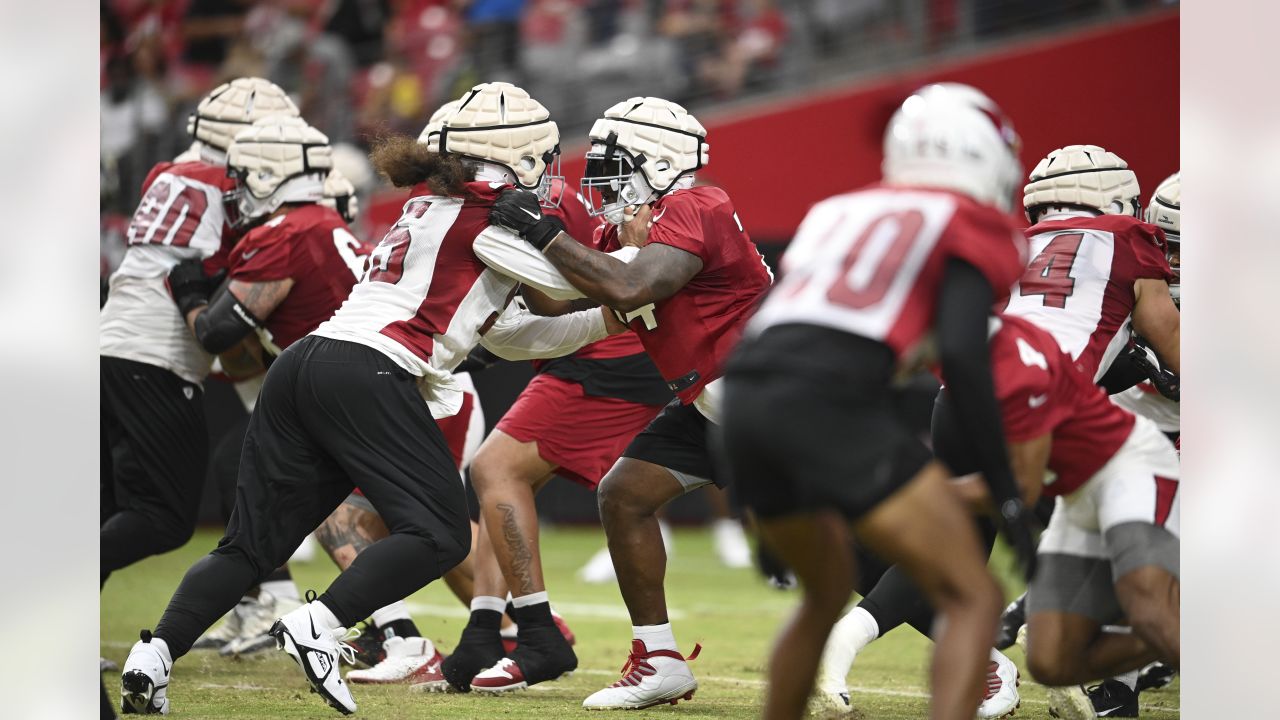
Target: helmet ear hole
528,163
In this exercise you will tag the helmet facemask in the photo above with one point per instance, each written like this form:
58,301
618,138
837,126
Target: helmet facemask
613,181
1174,256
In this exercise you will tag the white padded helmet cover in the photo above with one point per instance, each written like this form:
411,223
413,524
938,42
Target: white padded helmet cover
1084,175
276,149
498,122
671,141
233,106
430,135
1165,210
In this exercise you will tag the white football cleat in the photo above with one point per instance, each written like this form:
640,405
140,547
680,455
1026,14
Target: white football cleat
731,543
145,680
1001,697
409,660
256,619
599,569
1070,703
826,704
650,677
317,650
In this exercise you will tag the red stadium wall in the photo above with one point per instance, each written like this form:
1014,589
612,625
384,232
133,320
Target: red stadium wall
1116,87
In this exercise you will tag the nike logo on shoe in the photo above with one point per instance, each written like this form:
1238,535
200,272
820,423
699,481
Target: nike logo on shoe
164,667
314,635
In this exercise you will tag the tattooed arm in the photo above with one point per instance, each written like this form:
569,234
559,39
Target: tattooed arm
656,273
235,313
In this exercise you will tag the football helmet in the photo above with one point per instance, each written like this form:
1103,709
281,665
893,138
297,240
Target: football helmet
641,149
340,195
499,128
234,106
1083,176
274,161
953,136
1165,212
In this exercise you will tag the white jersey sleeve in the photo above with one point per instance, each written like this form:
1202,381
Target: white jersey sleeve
520,335
505,252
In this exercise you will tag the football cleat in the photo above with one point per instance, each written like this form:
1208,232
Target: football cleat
1112,698
1001,697
599,569
650,677
1070,703
511,633
542,654
1155,676
256,619
477,649
317,650
1013,618
408,660
368,646
145,680
228,631
731,544
826,704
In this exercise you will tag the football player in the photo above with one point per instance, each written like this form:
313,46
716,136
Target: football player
1095,264
694,277
154,441
343,406
867,277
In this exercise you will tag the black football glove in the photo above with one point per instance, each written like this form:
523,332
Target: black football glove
478,359
189,285
1016,523
1144,358
519,211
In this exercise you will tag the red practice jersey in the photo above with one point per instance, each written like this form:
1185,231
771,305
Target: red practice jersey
1042,390
690,334
312,246
1079,285
871,262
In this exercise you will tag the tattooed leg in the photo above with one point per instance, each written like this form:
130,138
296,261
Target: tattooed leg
506,474
347,531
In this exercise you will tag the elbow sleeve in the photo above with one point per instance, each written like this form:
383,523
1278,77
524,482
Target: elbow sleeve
223,324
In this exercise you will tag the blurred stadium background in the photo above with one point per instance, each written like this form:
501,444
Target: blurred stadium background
795,95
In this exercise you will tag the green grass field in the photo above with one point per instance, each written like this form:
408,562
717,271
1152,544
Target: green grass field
733,613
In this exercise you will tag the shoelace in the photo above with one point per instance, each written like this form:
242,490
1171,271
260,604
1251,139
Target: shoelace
342,635
638,668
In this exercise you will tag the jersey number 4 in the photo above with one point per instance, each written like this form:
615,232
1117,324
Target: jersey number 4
1049,275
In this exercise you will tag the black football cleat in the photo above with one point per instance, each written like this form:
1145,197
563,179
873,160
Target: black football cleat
1155,676
1013,618
1112,698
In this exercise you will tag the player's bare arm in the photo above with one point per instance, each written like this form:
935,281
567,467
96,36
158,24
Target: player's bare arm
1157,320
244,360
656,273
261,298
230,316
1028,460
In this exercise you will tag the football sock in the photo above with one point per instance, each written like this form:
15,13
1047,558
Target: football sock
655,637
281,588
532,610
324,615
488,602
388,614
399,628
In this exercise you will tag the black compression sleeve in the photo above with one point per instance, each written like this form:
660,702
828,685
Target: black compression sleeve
964,307
224,323
1122,375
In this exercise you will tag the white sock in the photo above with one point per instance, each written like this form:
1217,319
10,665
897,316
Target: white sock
853,632
530,599
488,602
655,637
667,542
281,589
384,616
321,612
1130,679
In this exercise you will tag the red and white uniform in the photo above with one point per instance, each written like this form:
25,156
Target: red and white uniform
871,262
1079,285
180,217
584,409
690,334
441,281
1109,467
1145,401
312,246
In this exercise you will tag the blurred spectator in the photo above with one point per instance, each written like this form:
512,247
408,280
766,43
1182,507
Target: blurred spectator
134,113
210,27
360,24
493,34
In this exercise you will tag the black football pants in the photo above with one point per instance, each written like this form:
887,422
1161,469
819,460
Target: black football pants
153,454
332,415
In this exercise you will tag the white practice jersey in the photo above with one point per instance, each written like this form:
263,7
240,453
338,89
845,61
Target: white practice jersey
1145,401
870,263
441,282
181,216
1079,285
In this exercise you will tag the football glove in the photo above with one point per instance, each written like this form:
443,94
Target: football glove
189,285
1144,358
519,211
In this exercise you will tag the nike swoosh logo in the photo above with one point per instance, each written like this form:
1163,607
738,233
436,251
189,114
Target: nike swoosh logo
535,216
1036,401
248,254
658,217
165,667
1108,711
314,635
